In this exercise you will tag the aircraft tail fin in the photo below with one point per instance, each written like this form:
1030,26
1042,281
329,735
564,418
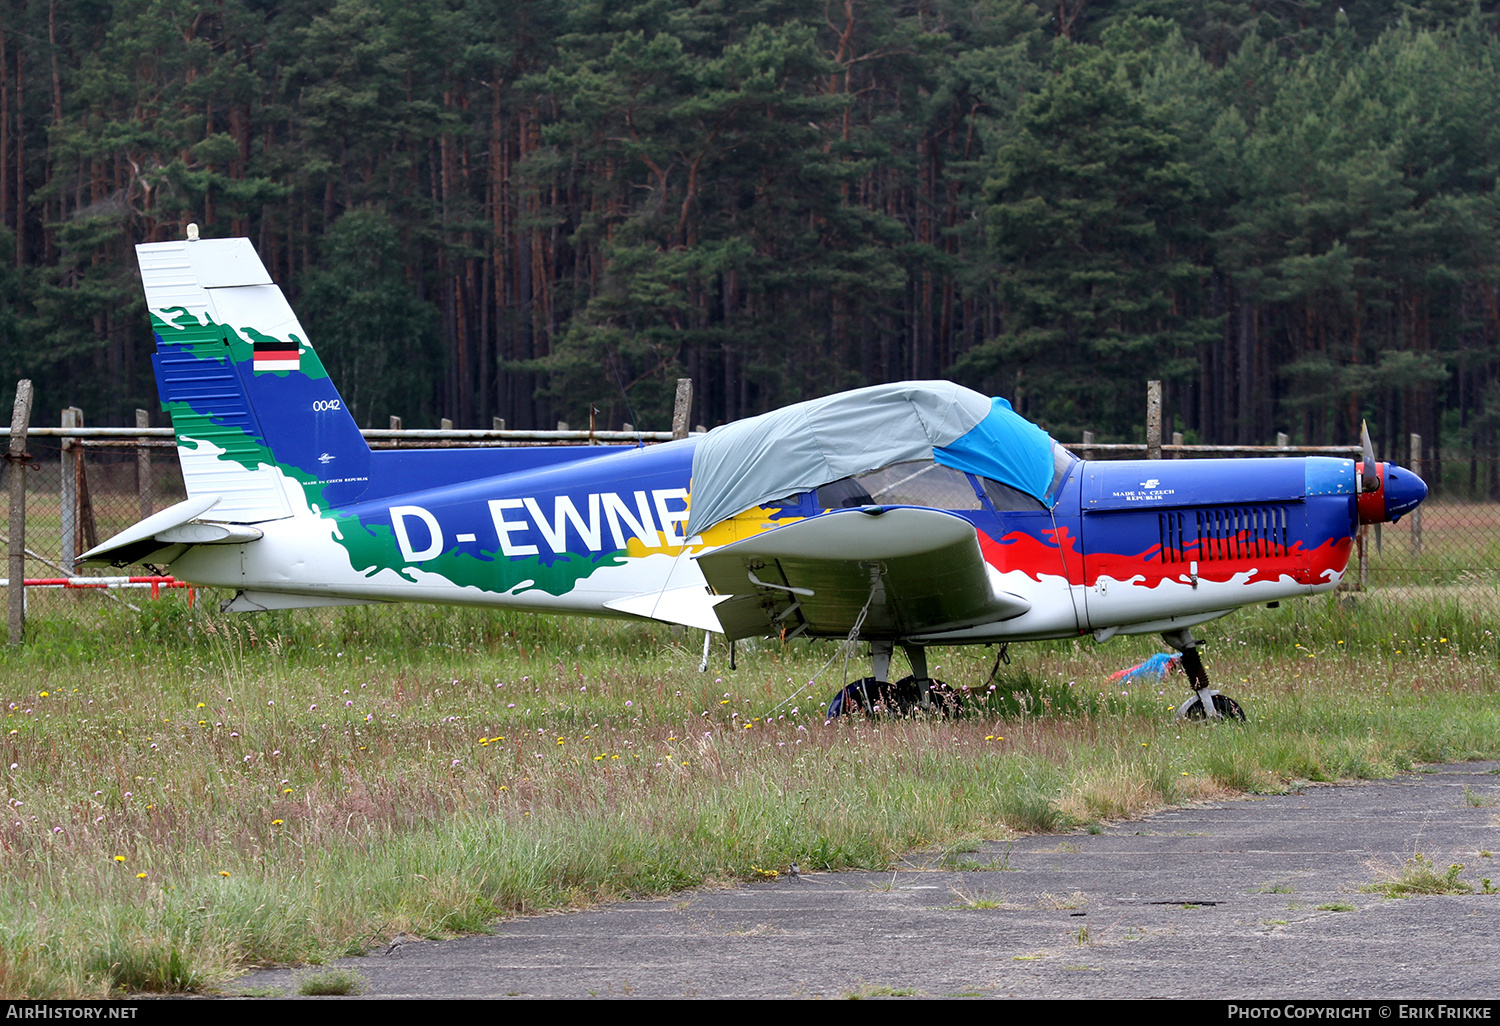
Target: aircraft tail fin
258,422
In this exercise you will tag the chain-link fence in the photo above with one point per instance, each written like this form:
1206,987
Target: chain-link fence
80,492
1448,550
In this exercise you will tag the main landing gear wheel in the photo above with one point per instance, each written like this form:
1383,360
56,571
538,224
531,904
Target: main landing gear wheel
941,699
1225,706
903,698
912,695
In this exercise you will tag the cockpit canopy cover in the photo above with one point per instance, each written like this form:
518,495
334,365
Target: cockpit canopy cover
745,464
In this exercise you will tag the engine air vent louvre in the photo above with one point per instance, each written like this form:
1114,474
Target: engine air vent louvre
1234,532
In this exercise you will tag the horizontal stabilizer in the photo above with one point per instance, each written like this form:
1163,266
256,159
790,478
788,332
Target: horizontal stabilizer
911,571
163,536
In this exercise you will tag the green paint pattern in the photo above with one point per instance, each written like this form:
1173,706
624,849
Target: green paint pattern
371,547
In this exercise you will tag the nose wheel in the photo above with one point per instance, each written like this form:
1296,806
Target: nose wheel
1224,707
1206,703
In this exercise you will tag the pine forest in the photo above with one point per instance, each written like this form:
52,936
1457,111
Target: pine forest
1286,211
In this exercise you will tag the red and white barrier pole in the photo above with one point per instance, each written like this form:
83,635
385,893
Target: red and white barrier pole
155,583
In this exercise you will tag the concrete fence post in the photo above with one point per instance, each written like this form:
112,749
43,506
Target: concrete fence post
1415,460
682,408
143,482
1153,420
72,417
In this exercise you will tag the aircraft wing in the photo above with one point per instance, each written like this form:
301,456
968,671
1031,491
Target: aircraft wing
920,571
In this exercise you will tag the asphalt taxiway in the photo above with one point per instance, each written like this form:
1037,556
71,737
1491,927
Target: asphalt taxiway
1255,898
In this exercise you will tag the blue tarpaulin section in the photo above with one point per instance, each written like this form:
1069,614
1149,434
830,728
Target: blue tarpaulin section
1004,447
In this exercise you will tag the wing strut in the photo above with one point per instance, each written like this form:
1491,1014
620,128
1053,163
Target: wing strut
845,649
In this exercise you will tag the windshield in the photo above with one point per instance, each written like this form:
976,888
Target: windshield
1062,464
912,483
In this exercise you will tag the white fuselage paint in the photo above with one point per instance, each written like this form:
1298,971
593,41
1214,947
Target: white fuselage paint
300,554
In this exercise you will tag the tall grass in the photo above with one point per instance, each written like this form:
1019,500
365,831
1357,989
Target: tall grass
189,794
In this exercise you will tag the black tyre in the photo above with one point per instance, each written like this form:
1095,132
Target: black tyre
907,698
1225,706
902,698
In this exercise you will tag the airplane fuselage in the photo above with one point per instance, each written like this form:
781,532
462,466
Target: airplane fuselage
1134,546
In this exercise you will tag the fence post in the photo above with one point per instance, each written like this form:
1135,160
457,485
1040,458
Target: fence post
1177,441
87,535
447,424
143,469
68,489
497,423
1153,420
20,420
395,423
1416,514
1283,439
682,407
1088,440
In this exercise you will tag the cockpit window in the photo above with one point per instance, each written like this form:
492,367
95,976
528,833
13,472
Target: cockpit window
917,483
1006,499
843,494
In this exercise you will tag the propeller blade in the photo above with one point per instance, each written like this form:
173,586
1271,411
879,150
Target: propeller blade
1371,477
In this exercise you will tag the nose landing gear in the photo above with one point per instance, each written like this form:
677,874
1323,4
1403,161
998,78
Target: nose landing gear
1206,702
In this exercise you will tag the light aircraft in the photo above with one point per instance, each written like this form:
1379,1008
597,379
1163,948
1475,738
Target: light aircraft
905,515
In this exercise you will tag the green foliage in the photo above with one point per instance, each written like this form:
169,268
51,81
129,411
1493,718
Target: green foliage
331,983
1094,216
350,773
160,964
1419,876
1286,212
741,215
378,341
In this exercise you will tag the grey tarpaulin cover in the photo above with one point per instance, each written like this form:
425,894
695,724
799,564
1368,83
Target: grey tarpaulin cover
742,465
